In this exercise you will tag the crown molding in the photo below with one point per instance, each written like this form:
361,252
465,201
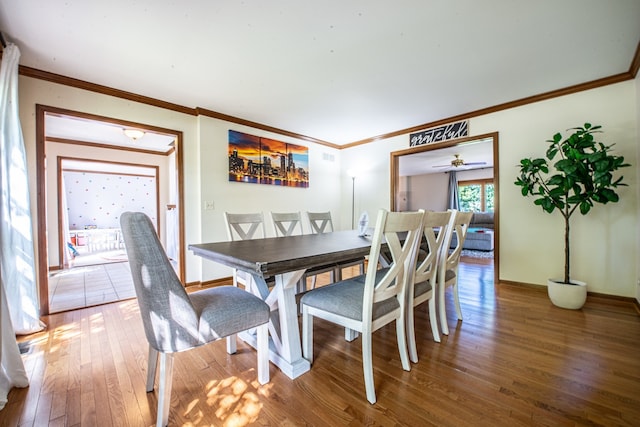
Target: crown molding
105,90
213,114
505,106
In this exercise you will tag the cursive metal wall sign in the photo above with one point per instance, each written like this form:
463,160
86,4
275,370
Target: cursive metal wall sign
441,133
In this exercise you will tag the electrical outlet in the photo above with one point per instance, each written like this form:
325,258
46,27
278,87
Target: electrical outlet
208,205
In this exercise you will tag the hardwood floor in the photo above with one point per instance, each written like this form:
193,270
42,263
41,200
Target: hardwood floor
514,360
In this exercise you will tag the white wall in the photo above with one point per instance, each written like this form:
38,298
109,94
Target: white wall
323,193
205,167
470,175
430,191
55,150
604,244
34,91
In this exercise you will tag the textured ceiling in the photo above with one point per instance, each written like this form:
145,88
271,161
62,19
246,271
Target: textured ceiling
334,70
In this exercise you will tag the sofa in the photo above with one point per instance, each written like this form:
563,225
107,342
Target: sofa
480,233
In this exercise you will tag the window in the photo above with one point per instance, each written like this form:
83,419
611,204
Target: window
477,195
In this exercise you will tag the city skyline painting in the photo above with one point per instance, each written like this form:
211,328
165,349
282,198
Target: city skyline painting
258,160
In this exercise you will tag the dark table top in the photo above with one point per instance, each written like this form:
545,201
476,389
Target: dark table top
276,255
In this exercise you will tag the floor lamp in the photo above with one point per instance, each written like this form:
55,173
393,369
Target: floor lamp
353,198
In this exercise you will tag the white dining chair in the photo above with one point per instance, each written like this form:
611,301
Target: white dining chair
289,224
175,321
448,268
244,226
423,284
321,222
367,303
286,223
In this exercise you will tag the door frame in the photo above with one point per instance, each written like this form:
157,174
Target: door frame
395,181
41,189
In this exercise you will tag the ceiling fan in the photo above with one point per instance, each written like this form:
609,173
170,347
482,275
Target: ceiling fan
457,162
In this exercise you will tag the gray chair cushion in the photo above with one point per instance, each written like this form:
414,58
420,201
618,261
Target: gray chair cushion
449,275
379,275
421,288
226,310
345,299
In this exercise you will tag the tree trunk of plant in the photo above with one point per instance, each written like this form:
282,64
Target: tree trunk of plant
566,249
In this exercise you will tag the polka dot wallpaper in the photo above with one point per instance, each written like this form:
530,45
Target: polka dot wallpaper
96,200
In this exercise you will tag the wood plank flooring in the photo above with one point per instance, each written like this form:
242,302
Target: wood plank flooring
515,360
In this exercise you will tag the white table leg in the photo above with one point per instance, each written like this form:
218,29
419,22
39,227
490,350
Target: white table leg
285,349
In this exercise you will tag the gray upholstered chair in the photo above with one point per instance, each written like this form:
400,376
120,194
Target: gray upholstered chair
448,268
175,321
422,286
366,303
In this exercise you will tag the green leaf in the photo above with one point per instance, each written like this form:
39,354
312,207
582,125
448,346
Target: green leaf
566,165
548,206
609,195
556,180
575,199
557,193
581,176
618,182
584,208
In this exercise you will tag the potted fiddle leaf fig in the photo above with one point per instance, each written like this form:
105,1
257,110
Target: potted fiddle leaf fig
582,175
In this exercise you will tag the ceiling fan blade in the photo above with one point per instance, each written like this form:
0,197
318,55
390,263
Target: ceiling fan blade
458,162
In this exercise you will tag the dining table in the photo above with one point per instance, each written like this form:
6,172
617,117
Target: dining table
285,259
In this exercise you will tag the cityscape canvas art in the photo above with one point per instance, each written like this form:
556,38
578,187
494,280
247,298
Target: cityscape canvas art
258,160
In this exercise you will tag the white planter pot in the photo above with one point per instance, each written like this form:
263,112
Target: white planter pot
564,295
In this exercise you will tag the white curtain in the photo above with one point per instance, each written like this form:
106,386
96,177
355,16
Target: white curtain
453,197
12,372
17,261
172,234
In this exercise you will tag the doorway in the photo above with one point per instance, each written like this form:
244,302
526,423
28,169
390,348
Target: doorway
97,148
477,152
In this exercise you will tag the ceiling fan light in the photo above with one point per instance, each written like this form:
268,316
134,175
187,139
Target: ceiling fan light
457,162
134,134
